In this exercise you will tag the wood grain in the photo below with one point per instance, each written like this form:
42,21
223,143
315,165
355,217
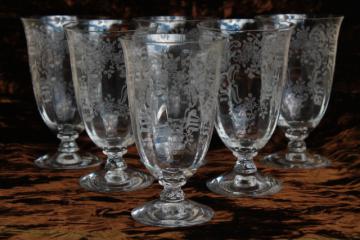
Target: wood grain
314,204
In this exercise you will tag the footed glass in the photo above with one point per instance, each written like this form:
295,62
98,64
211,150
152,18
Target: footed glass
307,92
100,86
252,80
173,80
54,93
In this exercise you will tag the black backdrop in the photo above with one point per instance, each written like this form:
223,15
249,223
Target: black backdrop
15,81
14,72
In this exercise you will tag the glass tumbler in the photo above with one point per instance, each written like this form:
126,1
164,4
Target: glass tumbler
173,80
252,81
53,89
307,92
99,75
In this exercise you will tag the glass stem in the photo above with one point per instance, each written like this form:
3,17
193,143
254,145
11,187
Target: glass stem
115,165
172,181
245,164
245,169
296,146
68,144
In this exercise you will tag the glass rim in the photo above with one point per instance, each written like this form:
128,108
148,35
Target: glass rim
302,16
76,30
36,18
287,27
144,34
178,18
72,26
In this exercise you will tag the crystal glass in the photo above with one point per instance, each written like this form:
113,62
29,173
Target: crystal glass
169,24
309,79
99,75
173,80
252,80
173,24
53,89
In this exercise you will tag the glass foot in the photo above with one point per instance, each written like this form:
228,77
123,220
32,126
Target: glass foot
306,161
116,180
252,185
59,160
172,214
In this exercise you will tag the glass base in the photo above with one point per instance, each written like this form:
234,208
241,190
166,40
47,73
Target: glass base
253,185
59,160
122,181
172,214
308,161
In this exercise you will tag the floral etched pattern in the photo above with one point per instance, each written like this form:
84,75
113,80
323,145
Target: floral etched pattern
312,59
174,89
245,54
100,82
244,114
258,59
100,61
50,69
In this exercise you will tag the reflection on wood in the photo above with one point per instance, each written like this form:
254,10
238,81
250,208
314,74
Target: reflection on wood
41,204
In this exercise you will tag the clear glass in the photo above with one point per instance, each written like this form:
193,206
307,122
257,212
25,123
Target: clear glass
53,89
307,92
252,81
100,87
167,25
173,81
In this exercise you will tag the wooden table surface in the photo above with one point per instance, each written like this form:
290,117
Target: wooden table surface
313,204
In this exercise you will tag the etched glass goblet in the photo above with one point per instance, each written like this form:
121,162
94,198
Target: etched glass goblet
53,89
172,84
252,80
174,25
100,87
307,92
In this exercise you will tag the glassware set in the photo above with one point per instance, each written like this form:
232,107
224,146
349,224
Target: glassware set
165,82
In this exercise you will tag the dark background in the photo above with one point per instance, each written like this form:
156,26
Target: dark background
15,80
